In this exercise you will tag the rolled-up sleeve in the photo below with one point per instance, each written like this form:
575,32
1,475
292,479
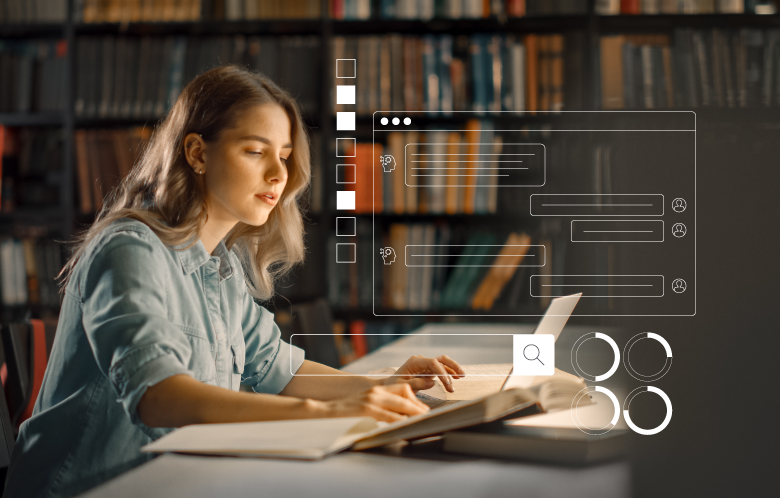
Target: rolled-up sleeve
270,362
124,297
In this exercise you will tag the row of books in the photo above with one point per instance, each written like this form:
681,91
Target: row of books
103,158
463,273
28,268
453,9
30,167
721,68
651,7
31,75
124,11
483,72
400,191
142,76
33,11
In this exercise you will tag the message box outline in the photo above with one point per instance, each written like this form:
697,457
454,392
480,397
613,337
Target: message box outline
544,252
663,286
531,206
663,236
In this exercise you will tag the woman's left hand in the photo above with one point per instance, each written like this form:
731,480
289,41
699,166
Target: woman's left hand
443,367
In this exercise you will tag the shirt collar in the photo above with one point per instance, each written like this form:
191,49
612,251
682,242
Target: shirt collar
197,256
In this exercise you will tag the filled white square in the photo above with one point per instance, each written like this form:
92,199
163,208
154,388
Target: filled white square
345,199
533,354
345,121
345,94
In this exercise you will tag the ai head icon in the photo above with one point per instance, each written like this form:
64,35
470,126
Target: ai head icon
388,163
388,255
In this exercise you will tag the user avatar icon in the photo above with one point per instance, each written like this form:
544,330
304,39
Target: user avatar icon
388,255
679,230
679,205
388,163
679,286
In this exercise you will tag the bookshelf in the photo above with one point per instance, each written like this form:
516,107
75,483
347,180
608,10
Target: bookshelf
588,28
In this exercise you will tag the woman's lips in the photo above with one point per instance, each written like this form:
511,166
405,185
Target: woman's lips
266,199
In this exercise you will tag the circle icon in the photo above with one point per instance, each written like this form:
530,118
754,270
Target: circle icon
679,230
383,121
575,350
396,121
599,430
627,404
627,361
533,354
407,121
679,285
679,205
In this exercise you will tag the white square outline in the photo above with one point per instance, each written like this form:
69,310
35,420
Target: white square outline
346,234
354,69
354,146
354,251
353,176
695,192
620,241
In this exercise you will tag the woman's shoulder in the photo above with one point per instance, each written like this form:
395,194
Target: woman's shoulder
129,234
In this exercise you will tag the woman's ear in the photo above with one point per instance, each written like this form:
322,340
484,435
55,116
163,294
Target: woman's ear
194,152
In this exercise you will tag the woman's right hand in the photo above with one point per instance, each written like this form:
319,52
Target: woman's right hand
384,403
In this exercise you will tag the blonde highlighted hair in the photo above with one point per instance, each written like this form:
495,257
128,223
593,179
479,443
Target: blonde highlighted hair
162,192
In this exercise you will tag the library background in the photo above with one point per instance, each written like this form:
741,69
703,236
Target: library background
84,82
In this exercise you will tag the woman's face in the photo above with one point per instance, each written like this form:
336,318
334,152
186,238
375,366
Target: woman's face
245,170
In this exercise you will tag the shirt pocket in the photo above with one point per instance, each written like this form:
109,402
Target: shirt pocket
203,362
239,358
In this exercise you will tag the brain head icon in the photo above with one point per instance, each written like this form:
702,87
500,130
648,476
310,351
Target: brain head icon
388,255
388,163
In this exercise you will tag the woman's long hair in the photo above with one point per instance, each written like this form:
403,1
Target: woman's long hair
162,192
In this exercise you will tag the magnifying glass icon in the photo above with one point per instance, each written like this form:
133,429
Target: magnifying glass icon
532,356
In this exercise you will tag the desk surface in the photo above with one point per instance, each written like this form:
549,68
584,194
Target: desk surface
399,470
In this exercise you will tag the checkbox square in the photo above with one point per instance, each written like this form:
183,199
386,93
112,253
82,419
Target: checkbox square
345,147
346,226
345,173
346,253
346,68
345,121
345,200
345,94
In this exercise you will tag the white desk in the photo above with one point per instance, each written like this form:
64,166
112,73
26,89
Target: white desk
396,471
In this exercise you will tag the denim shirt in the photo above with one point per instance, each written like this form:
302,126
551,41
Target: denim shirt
134,313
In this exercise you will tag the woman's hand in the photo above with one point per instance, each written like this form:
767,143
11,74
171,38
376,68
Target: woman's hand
443,367
384,403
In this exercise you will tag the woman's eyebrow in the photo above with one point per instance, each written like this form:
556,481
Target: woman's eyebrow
264,140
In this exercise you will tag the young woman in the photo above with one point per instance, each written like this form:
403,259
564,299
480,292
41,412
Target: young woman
158,325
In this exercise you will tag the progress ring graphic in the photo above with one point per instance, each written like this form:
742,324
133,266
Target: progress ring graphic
590,430
627,359
627,404
580,342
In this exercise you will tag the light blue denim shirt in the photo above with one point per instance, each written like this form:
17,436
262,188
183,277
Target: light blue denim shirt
134,313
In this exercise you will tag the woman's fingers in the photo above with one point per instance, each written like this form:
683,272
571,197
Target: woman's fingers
436,368
452,364
398,399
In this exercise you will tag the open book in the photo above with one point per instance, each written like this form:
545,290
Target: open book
314,439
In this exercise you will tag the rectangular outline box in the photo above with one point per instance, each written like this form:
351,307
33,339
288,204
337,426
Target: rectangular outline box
406,253
617,241
354,69
354,251
354,219
455,114
531,282
401,336
354,148
354,174
531,206
544,166
341,197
